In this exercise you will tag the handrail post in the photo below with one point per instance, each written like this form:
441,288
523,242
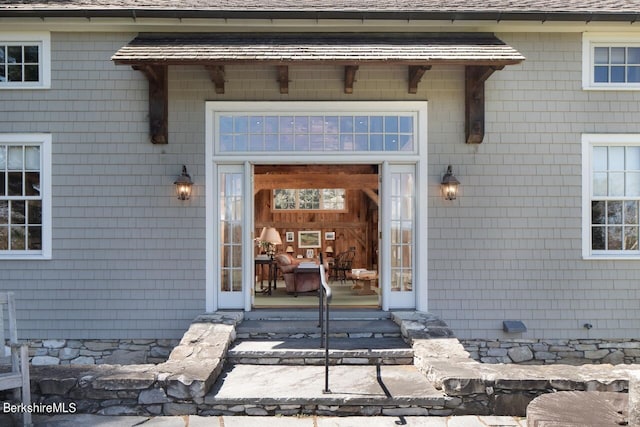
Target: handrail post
324,323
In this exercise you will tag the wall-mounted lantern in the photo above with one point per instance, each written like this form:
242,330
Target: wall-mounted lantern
449,185
183,185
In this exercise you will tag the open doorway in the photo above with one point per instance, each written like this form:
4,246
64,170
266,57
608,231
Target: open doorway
331,210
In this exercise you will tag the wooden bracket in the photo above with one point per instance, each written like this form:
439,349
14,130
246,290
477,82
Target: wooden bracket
158,101
349,77
216,74
415,75
475,76
283,78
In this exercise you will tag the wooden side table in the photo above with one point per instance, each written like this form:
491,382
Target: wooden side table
366,278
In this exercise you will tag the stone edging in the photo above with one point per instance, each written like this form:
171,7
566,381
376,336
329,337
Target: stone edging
546,352
174,387
495,389
98,352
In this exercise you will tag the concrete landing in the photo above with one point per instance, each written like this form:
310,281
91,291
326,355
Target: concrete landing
301,385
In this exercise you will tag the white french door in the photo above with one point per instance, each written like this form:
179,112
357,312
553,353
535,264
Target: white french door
390,134
232,261
398,236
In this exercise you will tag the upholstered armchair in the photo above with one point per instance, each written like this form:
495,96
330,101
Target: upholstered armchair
296,281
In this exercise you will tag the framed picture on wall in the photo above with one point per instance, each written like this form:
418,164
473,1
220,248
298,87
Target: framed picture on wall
289,236
310,253
330,235
309,239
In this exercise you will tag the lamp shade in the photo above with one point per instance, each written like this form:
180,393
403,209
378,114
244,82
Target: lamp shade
289,249
329,249
270,235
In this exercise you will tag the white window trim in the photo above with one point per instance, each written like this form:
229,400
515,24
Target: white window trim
44,140
591,40
44,40
588,141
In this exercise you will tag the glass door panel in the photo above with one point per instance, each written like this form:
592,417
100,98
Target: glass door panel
400,227
231,233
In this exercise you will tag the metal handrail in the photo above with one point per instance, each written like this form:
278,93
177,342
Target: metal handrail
325,295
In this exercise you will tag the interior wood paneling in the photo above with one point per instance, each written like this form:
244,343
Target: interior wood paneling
355,227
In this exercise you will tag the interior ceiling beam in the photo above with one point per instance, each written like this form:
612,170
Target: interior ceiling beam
315,180
216,74
157,77
349,78
287,225
475,77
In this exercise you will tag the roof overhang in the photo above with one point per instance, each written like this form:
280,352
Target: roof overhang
480,53
339,49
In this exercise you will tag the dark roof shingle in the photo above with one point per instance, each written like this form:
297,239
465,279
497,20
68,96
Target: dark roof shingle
461,9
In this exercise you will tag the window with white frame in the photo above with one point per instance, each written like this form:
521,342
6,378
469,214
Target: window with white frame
25,196
611,205
611,62
25,61
325,199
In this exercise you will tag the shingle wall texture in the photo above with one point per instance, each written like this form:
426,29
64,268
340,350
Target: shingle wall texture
128,257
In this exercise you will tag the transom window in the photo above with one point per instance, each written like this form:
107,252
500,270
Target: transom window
25,61
329,199
24,196
614,196
610,62
241,133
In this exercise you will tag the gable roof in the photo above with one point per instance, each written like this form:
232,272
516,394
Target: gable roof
537,10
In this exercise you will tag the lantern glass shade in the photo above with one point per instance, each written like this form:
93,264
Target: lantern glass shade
183,185
449,185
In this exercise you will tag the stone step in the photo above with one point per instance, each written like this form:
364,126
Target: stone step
307,351
354,390
312,314
281,329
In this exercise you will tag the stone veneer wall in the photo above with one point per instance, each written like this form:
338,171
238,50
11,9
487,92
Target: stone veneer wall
97,352
545,352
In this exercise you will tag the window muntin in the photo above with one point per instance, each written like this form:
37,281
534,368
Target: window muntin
25,61
615,196
326,199
610,62
243,133
19,63
616,64
25,199
20,198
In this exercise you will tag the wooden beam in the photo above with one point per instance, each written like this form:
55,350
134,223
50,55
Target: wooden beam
349,77
158,101
216,74
475,76
415,75
315,180
372,195
283,78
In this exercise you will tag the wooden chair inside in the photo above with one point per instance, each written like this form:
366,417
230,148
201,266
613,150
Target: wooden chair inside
18,378
344,263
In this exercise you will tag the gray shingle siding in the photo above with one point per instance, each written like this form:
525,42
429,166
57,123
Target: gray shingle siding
129,258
